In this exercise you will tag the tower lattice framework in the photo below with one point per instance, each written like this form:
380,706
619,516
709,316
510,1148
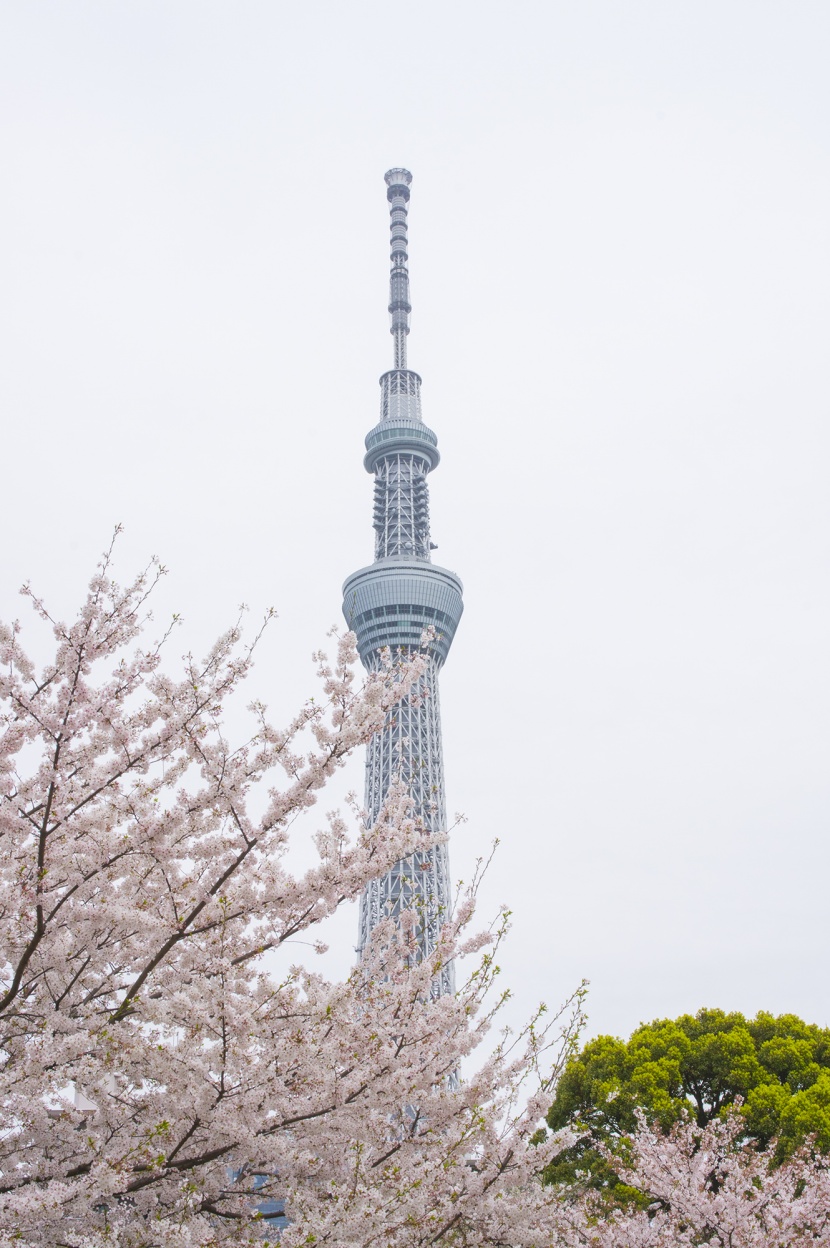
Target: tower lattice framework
391,603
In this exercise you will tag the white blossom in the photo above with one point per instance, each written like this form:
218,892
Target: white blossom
156,1084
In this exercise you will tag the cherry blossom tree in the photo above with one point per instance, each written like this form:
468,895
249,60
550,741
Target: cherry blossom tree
707,1186
157,1084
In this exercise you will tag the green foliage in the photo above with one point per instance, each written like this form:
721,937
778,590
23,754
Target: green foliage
698,1065
806,1113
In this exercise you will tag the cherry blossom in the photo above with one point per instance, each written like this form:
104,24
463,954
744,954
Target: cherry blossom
158,1085
709,1186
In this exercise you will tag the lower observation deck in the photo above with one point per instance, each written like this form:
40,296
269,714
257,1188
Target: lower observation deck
392,601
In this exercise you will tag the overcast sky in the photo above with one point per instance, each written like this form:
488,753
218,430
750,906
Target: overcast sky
621,291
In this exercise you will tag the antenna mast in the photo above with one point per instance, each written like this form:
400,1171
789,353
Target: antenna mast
398,182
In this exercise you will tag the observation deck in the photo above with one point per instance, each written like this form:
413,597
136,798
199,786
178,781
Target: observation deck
391,603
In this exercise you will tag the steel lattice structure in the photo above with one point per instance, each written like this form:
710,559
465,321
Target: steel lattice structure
391,603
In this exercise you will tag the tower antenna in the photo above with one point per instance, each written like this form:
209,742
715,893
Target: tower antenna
398,182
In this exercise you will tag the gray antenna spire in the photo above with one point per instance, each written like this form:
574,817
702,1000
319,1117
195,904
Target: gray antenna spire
398,182
400,387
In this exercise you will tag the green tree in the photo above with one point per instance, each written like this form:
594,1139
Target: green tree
777,1068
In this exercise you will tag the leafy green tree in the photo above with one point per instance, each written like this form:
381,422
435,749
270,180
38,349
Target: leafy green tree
776,1068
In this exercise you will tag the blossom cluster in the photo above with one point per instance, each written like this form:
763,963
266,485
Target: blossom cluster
706,1186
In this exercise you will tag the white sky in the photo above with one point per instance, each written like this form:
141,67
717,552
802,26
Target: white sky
620,273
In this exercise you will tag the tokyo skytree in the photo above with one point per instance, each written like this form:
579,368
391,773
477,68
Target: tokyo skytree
391,603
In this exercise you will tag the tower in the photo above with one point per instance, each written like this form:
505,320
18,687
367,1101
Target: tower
391,603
